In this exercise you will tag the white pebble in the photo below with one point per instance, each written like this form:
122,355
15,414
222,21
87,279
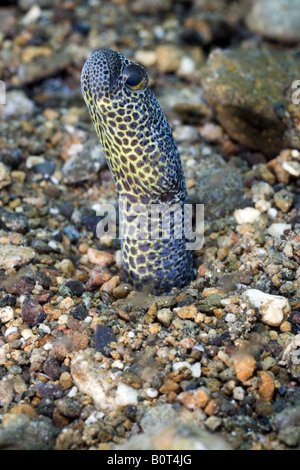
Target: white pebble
6,314
293,168
272,213
181,365
196,370
45,328
10,330
276,230
118,364
238,393
27,333
248,215
273,308
126,395
63,319
151,392
230,318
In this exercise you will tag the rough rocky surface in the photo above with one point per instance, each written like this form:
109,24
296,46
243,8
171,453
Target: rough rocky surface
250,90
277,20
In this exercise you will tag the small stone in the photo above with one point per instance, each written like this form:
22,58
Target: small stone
238,393
283,200
292,167
110,285
266,386
45,168
79,312
101,258
66,304
51,368
169,386
248,215
186,312
96,279
18,105
120,292
31,309
277,229
103,337
68,407
65,380
168,58
6,314
194,399
76,287
213,423
165,316
273,308
13,222
4,176
244,365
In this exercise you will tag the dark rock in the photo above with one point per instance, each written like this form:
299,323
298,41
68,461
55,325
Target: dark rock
91,222
46,406
76,287
40,246
31,309
51,368
80,312
8,301
49,390
71,233
45,168
66,209
13,222
44,280
103,337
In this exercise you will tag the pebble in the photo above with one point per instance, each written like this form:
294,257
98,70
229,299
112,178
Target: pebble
292,167
18,105
165,316
248,215
272,308
110,285
6,314
277,20
266,385
186,312
244,366
283,200
12,256
31,309
101,258
277,229
5,178
194,399
103,337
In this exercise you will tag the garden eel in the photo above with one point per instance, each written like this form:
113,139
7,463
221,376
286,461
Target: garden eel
145,164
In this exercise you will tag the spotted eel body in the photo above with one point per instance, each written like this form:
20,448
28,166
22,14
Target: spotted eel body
146,168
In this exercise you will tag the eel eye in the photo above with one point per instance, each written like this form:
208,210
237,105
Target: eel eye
135,77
